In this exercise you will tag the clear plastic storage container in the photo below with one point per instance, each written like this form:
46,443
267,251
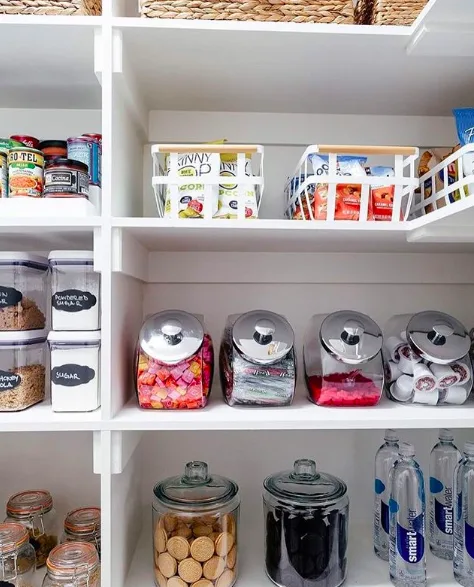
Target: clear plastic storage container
17,556
257,360
306,527
22,291
195,524
174,362
75,291
343,360
75,371
34,510
22,369
73,564
427,359
83,525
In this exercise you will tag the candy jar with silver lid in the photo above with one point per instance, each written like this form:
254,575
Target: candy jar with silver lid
306,527
195,529
17,556
343,360
427,359
257,360
83,525
34,509
174,362
73,564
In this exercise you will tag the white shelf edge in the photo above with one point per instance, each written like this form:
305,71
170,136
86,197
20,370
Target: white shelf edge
47,20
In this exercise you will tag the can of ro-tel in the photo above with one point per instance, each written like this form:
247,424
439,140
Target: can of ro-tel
88,150
3,175
25,172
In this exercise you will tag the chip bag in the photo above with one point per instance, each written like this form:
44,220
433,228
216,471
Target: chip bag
229,193
465,127
381,193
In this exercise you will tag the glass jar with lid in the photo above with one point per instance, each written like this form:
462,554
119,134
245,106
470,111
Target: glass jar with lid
195,523
83,525
17,556
34,509
73,564
257,360
174,362
343,360
427,359
306,527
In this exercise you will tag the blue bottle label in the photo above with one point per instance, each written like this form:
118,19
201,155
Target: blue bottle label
469,539
385,515
379,486
459,508
411,542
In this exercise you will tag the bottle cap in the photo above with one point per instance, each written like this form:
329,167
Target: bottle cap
469,449
406,449
391,435
446,434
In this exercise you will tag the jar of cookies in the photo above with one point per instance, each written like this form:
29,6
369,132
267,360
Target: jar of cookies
195,523
17,556
34,509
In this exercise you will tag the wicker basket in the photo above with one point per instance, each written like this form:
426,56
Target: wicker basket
397,12
327,11
61,7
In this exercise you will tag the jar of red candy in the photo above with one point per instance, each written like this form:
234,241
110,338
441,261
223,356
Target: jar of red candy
427,359
174,362
343,360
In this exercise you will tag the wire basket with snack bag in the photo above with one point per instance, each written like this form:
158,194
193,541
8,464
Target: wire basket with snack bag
340,182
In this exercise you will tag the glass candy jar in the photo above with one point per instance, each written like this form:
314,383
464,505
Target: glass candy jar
427,359
17,556
83,525
343,360
257,360
174,362
73,564
306,527
34,509
195,523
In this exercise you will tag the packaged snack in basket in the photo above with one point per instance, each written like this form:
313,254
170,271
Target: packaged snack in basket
191,196
429,159
465,127
229,193
381,194
347,195
303,211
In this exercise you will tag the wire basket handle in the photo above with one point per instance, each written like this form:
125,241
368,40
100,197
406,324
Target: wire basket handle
208,149
366,150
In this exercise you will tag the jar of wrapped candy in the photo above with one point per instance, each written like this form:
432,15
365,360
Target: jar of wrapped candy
306,527
427,359
343,360
174,362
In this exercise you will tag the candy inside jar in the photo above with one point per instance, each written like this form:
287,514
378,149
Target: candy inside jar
175,362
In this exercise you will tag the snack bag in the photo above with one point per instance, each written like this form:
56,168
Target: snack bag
429,159
465,127
191,195
347,195
229,193
303,211
381,194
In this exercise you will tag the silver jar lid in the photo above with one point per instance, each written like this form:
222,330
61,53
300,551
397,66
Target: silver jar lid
171,336
438,337
263,337
351,337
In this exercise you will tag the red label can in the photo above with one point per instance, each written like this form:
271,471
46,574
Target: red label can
31,142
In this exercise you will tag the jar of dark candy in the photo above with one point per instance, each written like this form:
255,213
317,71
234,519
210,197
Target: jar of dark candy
306,533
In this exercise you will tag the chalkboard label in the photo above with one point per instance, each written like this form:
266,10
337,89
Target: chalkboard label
73,300
9,296
72,375
9,380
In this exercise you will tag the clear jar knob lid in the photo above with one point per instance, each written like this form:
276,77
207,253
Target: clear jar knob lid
438,337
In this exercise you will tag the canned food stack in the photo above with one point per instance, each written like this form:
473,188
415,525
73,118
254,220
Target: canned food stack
75,339
427,359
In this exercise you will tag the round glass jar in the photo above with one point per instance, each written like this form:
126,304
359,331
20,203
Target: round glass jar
17,556
83,525
306,527
73,564
195,523
34,509
66,178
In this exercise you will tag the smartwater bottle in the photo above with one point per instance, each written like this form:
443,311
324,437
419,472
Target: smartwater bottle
384,461
407,521
464,518
444,458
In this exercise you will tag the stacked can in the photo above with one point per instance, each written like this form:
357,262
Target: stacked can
88,149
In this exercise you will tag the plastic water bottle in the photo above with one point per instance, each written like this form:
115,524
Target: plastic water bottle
444,458
407,505
464,518
384,461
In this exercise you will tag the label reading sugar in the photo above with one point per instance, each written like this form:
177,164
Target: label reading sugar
9,380
72,375
9,296
73,300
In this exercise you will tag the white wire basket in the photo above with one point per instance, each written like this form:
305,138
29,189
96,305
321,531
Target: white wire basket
448,182
300,189
211,194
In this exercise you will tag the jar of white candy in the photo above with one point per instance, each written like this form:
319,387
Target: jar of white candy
427,359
